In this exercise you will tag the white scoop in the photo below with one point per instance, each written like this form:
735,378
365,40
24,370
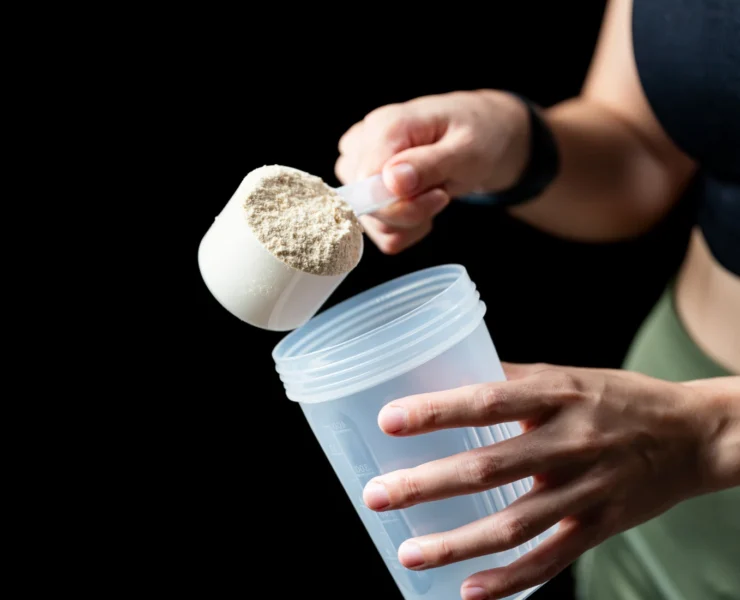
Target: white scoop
255,286
367,196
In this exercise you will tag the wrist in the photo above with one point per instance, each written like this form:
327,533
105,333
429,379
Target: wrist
514,152
718,400
530,161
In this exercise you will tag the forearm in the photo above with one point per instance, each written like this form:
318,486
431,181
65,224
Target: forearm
718,402
612,185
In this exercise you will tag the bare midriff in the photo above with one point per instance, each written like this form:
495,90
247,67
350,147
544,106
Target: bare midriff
708,303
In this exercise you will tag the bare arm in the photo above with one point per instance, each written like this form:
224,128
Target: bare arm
721,397
620,172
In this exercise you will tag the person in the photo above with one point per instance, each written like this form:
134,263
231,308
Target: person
639,467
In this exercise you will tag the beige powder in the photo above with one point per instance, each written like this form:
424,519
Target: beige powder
302,221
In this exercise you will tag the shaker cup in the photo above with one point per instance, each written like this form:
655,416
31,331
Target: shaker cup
419,333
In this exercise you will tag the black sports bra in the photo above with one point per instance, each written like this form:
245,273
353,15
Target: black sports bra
688,59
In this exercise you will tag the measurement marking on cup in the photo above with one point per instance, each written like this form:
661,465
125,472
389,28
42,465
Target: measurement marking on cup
334,449
393,525
386,518
364,469
383,517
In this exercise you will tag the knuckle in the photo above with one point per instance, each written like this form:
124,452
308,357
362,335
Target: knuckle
466,139
388,124
431,413
555,376
513,531
567,386
339,170
350,137
444,551
439,200
508,581
538,367
381,114
570,382
414,213
344,141
458,96
394,127
486,399
405,212
478,471
606,487
410,490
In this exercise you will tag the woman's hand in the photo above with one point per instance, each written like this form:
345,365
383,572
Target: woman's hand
608,450
430,149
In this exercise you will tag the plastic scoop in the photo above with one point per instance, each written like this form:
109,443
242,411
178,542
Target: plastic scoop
367,196
254,285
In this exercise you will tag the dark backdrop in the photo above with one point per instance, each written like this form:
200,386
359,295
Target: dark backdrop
262,504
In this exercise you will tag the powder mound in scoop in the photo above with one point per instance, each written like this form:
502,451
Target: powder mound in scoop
302,221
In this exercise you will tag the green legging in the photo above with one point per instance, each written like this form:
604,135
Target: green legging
691,552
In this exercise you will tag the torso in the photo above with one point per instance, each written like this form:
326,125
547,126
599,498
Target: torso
708,302
688,57
687,53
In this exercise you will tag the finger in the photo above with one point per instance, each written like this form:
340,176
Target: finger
531,515
409,213
473,471
365,160
534,568
521,370
374,153
378,139
468,406
363,156
343,170
421,168
391,240
350,138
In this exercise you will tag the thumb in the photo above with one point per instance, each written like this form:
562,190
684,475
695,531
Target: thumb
419,169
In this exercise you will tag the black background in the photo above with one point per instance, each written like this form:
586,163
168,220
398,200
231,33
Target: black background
256,500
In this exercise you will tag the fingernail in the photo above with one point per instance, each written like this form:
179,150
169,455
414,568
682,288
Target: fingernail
405,177
474,593
375,496
410,555
392,419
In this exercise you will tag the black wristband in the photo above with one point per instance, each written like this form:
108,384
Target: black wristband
542,166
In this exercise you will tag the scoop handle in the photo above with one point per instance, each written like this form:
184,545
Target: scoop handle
367,196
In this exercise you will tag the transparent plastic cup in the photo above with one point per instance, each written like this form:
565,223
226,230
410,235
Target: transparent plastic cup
419,333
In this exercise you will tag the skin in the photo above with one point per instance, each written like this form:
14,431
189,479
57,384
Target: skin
607,449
